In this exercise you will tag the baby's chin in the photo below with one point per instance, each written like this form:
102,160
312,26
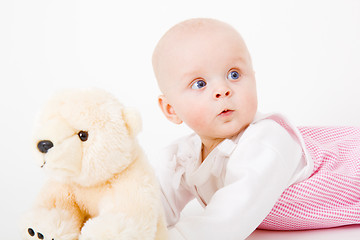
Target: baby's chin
229,134
232,132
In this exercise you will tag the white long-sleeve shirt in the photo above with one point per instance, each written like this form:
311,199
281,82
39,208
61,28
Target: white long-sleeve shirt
237,184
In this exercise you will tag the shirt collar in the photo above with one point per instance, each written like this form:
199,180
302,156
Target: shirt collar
213,165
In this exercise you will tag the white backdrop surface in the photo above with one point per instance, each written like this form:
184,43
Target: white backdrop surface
306,56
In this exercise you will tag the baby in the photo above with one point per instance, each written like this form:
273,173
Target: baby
247,170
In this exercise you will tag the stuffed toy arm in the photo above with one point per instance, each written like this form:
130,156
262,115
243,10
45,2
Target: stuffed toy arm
125,213
54,215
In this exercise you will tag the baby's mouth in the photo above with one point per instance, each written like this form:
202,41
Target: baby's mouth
226,112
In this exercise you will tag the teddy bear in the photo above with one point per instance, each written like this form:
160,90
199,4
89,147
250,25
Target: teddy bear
100,185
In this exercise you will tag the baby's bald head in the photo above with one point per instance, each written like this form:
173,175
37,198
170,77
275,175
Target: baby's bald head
199,31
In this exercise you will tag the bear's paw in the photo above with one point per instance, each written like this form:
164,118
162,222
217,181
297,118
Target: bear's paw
37,235
47,224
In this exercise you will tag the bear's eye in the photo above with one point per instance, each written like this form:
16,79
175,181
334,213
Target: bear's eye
83,135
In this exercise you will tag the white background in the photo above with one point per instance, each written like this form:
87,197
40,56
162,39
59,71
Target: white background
306,56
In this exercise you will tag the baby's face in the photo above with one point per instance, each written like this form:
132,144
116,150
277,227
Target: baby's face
207,79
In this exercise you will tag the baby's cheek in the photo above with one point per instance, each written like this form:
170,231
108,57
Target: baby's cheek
197,119
250,107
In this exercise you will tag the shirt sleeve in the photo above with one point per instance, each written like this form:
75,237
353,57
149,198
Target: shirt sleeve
263,165
174,195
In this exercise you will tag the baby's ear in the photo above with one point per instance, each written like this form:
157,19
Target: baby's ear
168,110
132,120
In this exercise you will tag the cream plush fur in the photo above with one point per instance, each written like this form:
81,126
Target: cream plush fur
100,187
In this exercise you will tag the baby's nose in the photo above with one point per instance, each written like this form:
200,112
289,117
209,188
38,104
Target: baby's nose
44,146
220,93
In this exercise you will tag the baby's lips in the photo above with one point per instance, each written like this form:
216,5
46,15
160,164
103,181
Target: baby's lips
226,111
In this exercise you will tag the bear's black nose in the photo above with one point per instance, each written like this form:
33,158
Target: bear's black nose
44,146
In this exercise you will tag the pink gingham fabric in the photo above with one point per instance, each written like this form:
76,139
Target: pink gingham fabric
330,197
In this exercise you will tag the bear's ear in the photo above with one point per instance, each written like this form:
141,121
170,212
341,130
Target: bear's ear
133,121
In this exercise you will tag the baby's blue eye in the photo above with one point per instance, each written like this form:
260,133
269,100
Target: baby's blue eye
233,75
198,84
